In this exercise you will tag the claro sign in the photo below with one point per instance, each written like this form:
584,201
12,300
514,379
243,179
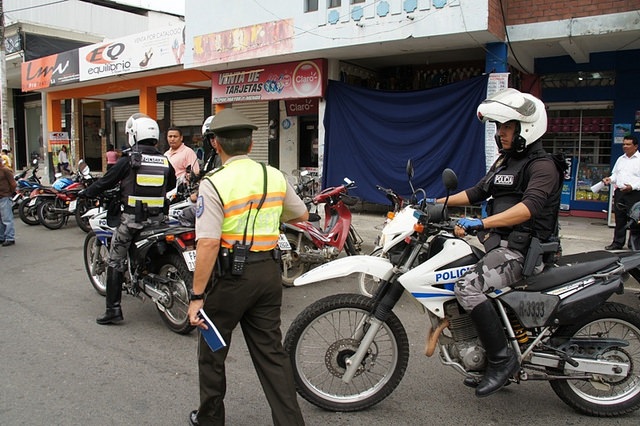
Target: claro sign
293,80
306,106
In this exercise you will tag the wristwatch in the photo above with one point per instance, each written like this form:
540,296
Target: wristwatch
193,296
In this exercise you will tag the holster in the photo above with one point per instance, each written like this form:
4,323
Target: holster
538,253
223,262
141,211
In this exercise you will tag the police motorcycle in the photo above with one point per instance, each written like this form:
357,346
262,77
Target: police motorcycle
349,351
160,262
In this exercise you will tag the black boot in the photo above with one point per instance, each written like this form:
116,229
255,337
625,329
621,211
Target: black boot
113,314
502,362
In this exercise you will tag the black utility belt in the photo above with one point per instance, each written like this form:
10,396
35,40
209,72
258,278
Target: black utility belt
257,256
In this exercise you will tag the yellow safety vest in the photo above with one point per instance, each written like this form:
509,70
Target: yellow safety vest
240,186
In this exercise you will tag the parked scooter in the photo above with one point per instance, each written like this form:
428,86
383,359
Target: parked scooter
349,352
308,244
160,263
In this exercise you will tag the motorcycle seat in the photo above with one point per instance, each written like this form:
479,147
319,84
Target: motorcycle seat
570,267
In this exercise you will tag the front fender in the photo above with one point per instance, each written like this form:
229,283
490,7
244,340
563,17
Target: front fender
377,266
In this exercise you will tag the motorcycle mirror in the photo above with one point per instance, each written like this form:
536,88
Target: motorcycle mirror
35,162
304,172
449,179
410,170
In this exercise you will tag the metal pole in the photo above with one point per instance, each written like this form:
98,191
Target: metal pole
3,84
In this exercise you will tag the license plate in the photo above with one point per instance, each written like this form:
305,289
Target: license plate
190,258
72,206
283,243
33,202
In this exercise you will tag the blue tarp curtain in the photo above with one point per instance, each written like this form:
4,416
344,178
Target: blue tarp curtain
370,135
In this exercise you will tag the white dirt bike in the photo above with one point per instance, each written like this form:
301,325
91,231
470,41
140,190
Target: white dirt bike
349,351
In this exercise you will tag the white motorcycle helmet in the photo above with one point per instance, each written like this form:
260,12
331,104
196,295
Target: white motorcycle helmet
206,126
141,127
510,105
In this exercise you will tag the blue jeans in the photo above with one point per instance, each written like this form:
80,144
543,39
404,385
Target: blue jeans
7,231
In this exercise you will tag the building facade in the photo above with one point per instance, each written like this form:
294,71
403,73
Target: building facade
578,57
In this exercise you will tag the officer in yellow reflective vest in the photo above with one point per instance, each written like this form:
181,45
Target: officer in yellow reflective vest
239,210
144,177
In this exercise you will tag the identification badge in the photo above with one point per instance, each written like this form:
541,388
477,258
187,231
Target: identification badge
190,258
283,243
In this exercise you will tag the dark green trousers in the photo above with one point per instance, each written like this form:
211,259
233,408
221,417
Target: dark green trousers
253,300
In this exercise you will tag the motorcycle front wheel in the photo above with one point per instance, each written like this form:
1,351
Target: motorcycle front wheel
321,340
28,214
179,280
95,262
82,206
606,396
292,266
50,213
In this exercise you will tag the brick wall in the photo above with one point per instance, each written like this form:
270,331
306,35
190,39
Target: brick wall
531,11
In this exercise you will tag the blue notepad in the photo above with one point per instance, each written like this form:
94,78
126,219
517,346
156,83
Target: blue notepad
211,334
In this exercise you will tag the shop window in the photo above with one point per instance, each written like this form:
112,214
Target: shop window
357,1
584,137
311,6
333,3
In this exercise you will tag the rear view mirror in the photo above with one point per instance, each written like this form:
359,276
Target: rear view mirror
449,179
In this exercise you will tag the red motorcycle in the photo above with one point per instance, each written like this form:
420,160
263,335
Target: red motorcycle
54,210
304,244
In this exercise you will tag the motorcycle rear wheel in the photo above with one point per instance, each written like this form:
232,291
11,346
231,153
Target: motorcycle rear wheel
292,266
28,214
174,312
615,321
95,262
320,341
50,214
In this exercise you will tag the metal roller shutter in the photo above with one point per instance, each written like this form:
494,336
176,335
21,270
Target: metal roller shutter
258,112
122,113
187,112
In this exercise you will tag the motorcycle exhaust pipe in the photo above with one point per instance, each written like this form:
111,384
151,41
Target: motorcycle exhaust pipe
433,336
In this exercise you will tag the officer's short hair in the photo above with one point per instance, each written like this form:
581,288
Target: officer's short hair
234,145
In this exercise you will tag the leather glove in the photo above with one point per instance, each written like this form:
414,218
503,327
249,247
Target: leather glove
470,224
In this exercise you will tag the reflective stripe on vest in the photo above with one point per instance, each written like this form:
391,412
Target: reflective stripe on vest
240,185
146,183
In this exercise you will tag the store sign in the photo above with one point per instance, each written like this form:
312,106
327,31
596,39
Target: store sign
308,106
139,52
53,70
305,79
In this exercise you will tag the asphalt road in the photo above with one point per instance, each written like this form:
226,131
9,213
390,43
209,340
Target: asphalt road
58,367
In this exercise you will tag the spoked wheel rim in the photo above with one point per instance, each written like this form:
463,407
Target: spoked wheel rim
177,304
620,389
321,369
96,263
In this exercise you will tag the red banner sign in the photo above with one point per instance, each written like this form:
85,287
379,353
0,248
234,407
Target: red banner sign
292,80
